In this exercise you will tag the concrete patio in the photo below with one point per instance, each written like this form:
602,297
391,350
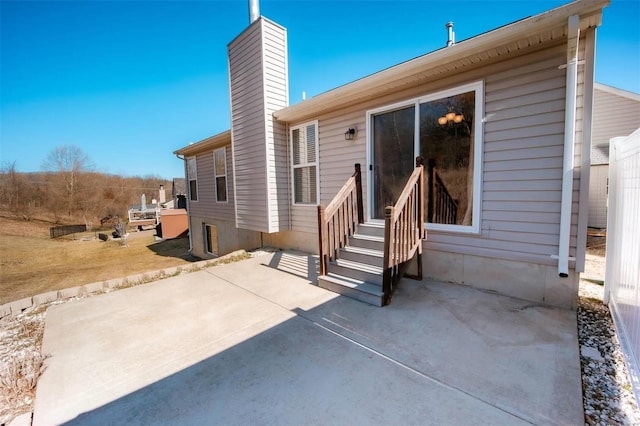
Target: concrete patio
255,342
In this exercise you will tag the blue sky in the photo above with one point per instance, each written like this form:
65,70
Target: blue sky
130,82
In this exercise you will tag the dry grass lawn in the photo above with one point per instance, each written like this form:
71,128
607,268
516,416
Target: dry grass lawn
31,263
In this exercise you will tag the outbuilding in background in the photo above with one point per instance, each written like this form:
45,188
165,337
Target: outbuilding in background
173,223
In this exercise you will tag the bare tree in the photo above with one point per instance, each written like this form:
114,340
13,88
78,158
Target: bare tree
16,193
10,184
68,163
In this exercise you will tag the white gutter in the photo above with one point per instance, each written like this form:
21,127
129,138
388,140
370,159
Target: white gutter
569,144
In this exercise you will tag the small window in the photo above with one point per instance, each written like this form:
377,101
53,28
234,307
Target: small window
211,239
304,163
192,176
220,171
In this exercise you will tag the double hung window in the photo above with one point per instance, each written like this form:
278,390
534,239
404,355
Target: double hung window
304,163
220,172
192,177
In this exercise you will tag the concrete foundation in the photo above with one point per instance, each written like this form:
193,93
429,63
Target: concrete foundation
528,281
230,238
292,240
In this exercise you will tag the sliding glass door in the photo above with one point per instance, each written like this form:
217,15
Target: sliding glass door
443,129
393,156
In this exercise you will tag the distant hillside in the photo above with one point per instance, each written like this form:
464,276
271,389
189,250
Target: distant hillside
86,198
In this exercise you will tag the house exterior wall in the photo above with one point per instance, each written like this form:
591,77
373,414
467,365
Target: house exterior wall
206,206
276,97
292,240
523,150
258,87
613,115
598,190
230,238
524,280
523,144
207,211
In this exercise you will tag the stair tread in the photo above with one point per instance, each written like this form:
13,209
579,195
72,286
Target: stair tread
362,250
358,266
368,237
355,284
372,225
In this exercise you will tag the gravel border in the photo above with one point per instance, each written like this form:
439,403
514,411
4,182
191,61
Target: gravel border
606,389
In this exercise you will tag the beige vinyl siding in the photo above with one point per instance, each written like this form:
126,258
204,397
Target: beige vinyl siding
336,159
258,86
523,160
522,157
248,130
598,193
522,170
276,97
613,116
207,205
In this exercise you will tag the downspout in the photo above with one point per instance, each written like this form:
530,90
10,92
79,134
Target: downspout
184,163
569,144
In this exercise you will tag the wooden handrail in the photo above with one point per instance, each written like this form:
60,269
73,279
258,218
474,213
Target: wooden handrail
404,231
340,219
443,208
407,191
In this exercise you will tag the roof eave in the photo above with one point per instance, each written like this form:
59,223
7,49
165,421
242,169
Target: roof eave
618,92
347,95
211,142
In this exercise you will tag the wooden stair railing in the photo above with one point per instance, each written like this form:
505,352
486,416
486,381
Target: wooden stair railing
442,208
339,220
403,232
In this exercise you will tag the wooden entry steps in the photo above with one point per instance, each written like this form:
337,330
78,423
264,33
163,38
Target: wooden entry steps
366,261
357,271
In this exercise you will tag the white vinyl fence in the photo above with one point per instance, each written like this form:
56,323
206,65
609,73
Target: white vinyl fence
622,278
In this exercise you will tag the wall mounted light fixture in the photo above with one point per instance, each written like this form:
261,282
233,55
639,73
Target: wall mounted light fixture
349,134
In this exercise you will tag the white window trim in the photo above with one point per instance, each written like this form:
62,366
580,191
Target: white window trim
194,158
301,165
478,87
216,175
